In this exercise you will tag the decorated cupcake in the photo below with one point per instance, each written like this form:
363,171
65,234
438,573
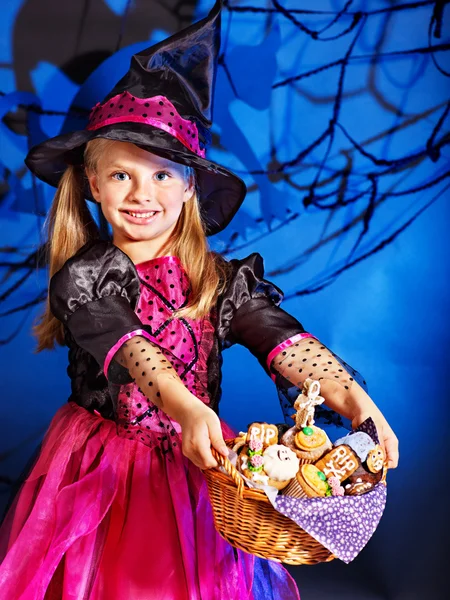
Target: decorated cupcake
305,439
309,482
308,443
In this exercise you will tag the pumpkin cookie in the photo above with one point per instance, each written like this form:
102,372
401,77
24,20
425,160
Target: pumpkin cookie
375,459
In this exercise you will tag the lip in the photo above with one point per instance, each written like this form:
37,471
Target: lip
140,220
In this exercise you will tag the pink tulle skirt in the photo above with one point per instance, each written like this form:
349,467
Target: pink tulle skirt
103,517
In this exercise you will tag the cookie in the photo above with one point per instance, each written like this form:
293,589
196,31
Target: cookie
251,466
310,438
309,443
280,464
361,481
359,441
267,434
375,459
275,467
358,487
339,462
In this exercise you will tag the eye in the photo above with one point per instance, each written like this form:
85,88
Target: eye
120,176
162,176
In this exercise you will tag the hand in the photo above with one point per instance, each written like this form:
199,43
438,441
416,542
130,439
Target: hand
388,439
200,428
357,406
364,407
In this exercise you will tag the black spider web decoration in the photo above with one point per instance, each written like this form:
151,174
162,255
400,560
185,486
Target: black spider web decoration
367,182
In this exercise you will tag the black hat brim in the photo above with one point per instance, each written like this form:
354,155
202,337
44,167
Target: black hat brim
221,192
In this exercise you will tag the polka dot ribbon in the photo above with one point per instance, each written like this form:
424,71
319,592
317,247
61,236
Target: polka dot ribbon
157,111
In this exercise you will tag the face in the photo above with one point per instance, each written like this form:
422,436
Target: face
141,195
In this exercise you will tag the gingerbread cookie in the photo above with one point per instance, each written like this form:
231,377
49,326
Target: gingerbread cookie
339,462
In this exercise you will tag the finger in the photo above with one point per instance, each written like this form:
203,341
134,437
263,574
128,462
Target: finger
216,437
392,454
200,460
204,454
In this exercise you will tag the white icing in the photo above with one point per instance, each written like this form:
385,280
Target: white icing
280,462
258,478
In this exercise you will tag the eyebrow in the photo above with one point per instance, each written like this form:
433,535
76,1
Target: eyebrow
165,165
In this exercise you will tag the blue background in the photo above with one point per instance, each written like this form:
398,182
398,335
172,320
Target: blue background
386,314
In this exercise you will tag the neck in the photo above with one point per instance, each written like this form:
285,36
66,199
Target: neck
141,251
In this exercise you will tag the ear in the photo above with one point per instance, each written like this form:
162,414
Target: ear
93,184
189,188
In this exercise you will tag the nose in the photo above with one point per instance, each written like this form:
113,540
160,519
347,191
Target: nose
142,190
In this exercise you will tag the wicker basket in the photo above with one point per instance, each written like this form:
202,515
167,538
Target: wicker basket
246,519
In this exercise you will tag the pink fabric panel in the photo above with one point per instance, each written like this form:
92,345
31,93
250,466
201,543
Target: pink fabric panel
157,111
283,346
165,288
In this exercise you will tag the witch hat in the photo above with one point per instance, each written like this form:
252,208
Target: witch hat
164,105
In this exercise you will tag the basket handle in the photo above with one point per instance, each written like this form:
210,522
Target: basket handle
230,469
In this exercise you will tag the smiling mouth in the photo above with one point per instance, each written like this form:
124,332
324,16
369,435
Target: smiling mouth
141,215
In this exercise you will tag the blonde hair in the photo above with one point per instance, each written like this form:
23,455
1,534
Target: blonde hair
70,225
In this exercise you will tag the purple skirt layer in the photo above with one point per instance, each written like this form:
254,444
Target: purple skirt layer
103,517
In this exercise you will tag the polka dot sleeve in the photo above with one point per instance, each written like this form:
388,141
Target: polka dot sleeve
309,358
144,361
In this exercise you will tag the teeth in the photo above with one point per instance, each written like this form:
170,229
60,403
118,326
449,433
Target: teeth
142,215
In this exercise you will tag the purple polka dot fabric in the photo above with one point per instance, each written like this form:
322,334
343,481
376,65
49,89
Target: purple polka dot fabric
343,524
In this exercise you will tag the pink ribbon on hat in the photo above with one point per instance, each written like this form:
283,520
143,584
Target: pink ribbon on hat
157,111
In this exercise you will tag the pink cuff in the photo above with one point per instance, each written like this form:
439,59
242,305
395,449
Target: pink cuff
283,346
119,343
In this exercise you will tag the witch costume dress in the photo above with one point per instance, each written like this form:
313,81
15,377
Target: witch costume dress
111,508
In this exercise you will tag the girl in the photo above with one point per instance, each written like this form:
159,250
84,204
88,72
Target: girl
115,505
